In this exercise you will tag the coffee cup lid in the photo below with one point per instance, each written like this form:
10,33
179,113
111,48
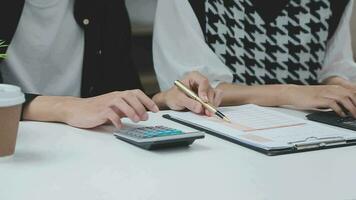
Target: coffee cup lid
10,95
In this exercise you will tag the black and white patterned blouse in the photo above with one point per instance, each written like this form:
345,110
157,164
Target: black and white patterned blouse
289,49
254,42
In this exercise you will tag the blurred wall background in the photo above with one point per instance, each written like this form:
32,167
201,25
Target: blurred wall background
142,13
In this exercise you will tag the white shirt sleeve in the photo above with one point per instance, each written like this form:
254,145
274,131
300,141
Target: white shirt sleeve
179,46
339,56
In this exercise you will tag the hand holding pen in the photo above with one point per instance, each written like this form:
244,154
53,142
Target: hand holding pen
205,104
175,99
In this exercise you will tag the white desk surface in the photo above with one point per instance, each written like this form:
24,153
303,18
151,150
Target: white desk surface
57,162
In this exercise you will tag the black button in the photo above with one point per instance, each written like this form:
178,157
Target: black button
86,22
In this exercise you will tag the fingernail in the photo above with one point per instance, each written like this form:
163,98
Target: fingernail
144,117
136,118
343,114
205,98
156,109
119,126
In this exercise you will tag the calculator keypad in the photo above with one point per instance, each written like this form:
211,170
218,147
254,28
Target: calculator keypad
150,132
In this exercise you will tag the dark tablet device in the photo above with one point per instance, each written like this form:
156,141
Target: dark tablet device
331,118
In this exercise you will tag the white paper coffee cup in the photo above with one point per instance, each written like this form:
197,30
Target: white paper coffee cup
10,95
11,100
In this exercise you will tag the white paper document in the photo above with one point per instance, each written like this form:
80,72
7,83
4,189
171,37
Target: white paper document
265,128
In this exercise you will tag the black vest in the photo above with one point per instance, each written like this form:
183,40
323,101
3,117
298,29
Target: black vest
107,62
270,44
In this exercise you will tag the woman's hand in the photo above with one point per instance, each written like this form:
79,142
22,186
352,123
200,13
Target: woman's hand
176,100
92,112
336,97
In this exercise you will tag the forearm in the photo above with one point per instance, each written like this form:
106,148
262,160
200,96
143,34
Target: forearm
264,95
47,108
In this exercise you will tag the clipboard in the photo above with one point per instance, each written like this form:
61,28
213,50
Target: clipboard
309,143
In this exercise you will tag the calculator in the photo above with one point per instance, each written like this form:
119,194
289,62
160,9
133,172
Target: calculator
157,137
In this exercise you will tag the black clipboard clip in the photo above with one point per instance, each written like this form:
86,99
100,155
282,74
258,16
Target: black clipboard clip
315,142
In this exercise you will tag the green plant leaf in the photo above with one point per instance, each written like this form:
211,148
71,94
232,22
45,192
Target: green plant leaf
2,45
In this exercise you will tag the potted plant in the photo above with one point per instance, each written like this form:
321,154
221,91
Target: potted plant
2,45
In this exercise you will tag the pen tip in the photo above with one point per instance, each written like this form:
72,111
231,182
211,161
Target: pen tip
227,119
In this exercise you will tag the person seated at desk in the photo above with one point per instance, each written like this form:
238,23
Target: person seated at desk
66,49
270,53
